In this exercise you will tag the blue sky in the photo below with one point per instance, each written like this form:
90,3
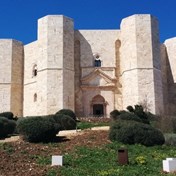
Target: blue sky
18,18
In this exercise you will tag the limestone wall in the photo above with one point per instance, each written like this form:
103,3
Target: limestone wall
53,53
135,68
170,58
164,68
97,41
171,49
78,92
50,35
68,64
5,72
89,43
31,107
89,94
11,79
140,62
17,78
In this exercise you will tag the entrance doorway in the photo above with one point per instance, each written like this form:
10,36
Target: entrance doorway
98,109
98,106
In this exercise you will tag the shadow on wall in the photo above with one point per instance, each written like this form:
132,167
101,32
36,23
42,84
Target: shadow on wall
171,89
85,64
83,57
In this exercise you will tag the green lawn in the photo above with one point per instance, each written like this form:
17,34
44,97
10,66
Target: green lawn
143,161
87,125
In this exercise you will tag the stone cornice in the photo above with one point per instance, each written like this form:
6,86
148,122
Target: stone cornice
98,71
108,87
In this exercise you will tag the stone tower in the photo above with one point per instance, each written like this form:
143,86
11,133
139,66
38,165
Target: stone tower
140,62
89,71
49,67
11,79
169,75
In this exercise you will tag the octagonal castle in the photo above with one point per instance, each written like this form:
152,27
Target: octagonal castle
89,71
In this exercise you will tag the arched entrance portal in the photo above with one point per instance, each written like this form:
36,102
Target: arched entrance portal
98,106
98,109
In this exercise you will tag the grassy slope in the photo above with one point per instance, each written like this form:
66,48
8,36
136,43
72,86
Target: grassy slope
102,161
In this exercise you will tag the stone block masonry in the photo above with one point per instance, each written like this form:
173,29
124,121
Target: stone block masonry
60,70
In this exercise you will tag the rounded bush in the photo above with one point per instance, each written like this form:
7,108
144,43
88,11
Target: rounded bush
6,127
131,132
130,108
139,111
8,115
114,114
37,129
129,116
67,112
65,122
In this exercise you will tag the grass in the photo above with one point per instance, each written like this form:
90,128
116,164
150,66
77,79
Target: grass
88,125
145,161
103,161
7,147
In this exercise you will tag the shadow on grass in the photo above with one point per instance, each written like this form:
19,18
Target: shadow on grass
60,139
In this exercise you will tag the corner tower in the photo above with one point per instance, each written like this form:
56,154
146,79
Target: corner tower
11,76
140,62
52,55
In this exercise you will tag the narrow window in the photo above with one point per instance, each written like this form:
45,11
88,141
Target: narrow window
35,97
34,71
97,62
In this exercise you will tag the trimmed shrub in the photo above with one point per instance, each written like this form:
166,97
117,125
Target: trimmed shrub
117,133
65,122
124,115
38,128
6,127
139,111
130,108
114,114
67,112
131,132
129,116
8,115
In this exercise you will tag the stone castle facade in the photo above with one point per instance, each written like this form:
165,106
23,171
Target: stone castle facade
89,71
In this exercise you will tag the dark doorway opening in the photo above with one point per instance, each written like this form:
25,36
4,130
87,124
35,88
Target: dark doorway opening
98,109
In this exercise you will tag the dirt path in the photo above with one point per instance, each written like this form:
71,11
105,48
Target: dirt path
67,133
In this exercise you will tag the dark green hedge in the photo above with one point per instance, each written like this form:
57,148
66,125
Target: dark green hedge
38,128
64,121
131,132
8,115
6,127
67,112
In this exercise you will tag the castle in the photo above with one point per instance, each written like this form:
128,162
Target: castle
89,71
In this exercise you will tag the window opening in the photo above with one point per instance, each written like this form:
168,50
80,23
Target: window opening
34,70
35,97
97,62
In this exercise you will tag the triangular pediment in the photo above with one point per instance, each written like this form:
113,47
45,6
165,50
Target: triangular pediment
98,78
